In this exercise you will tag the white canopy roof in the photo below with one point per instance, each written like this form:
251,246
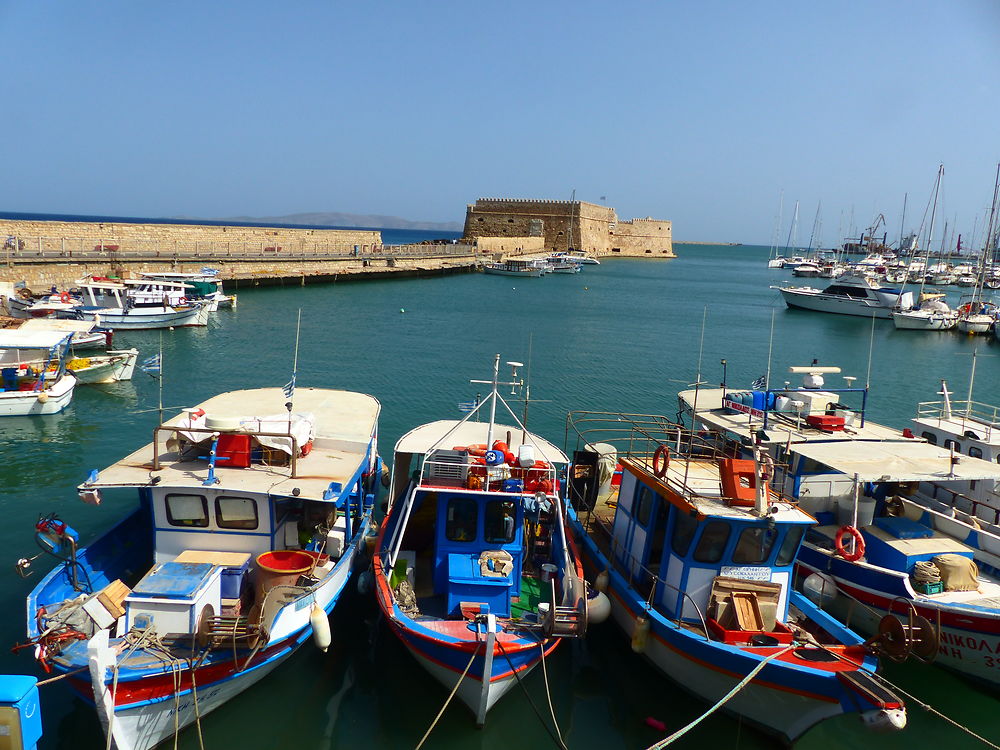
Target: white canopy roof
425,437
897,461
18,338
58,324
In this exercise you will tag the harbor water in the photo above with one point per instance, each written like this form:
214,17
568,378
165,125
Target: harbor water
622,336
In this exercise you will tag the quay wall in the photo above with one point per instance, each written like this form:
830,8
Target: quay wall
511,245
74,237
562,225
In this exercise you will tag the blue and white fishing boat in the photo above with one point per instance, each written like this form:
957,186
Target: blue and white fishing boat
515,267
33,375
696,555
249,522
908,521
114,304
474,571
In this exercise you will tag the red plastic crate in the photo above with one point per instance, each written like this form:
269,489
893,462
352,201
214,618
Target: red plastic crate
235,448
827,422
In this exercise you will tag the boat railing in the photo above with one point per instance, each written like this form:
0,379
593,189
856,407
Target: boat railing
655,443
210,433
961,502
634,565
461,470
979,415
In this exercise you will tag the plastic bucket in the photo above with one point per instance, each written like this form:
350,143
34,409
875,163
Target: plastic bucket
281,567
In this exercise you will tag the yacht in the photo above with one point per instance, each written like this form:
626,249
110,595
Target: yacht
849,295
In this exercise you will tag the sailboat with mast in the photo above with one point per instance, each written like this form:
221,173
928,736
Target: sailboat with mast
933,314
978,316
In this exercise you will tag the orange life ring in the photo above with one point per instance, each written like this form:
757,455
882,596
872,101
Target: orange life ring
65,298
662,454
477,450
859,543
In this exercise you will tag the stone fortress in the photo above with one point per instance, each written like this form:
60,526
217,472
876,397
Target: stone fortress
564,225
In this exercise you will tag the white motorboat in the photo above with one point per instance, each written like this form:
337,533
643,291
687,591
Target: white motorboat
205,286
109,304
849,295
512,267
86,334
932,315
33,376
579,256
111,367
807,268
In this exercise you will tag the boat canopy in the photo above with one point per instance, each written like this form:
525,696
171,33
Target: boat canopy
897,461
432,435
58,324
18,338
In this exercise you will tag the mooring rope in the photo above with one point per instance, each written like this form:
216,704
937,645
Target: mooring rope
721,702
555,738
448,700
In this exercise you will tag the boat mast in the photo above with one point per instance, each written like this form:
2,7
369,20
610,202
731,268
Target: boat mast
902,223
776,235
930,231
793,228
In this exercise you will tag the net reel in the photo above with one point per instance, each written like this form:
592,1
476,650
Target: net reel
899,638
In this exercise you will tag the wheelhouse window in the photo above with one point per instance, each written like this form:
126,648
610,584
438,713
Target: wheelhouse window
788,548
930,437
754,545
953,444
643,505
461,519
236,513
713,542
499,522
187,510
684,528
975,452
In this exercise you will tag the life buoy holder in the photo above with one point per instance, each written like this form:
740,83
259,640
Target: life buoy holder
661,460
859,543
183,301
65,298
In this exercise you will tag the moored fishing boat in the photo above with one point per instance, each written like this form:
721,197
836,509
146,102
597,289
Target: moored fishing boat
33,376
898,532
251,516
202,286
111,367
696,555
474,572
110,304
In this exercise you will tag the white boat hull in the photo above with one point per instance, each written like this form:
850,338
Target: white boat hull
135,319
115,366
975,324
818,302
28,403
919,321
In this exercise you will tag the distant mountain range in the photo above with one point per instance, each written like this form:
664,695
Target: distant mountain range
334,219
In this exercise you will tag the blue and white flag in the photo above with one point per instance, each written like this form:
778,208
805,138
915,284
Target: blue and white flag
466,406
289,388
759,383
152,366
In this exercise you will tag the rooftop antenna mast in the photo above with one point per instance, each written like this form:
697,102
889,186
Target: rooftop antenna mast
496,383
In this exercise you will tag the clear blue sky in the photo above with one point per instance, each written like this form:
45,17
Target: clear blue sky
699,112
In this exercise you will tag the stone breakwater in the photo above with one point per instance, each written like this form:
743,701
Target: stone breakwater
56,253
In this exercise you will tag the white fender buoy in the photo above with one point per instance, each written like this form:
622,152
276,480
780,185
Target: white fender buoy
598,606
321,627
601,582
640,633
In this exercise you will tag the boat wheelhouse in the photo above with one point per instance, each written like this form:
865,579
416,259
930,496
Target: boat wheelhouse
696,555
249,522
849,295
897,526
474,570
205,286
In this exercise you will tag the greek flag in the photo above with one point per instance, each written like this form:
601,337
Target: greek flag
466,406
289,388
152,366
759,383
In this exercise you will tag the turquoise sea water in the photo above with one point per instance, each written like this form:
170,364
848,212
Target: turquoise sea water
621,336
